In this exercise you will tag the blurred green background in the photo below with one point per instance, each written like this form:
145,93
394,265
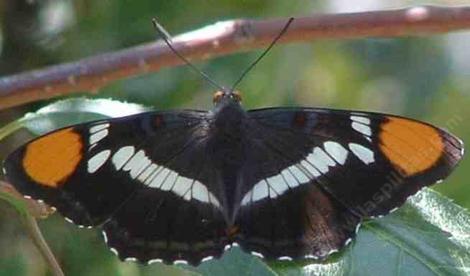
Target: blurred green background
424,77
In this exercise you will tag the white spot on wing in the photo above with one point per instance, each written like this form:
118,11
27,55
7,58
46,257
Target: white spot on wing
99,127
260,190
361,128
147,172
159,178
290,179
137,164
285,258
306,165
320,160
337,151
98,160
169,181
208,258
272,193
115,252
213,200
361,119
105,237
91,147
153,175
98,136
357,228
200,192
257,254
331,252
122,156
182,185
298,174
247,198
154,261
363,153
180,262
278,184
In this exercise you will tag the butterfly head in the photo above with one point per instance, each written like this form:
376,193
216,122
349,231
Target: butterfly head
227,108
226,97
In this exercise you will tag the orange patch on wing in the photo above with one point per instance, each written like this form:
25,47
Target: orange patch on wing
51,159
411,146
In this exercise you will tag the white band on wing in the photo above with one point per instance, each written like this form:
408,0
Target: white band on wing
318,162
141,168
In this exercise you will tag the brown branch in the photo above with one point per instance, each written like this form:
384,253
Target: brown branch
223,38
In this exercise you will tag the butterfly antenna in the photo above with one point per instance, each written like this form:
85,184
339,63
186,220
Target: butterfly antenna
167,38
281,33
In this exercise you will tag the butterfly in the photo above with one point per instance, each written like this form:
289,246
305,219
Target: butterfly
183,186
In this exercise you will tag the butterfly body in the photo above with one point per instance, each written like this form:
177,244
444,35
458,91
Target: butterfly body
183,186
227,149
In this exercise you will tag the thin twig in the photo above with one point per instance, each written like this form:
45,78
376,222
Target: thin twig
224,38
41,244
29,210
24,205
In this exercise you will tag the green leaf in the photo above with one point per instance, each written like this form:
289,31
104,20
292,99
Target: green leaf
235,262
74,111
429,235
69,112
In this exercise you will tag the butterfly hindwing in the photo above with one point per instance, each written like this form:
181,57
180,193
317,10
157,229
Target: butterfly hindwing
327,170
303,222
158,226
134,175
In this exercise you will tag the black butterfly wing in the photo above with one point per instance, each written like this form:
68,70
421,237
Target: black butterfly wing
315,174
303,222
141,177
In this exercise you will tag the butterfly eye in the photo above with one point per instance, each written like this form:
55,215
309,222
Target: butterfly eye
237,96
217,96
